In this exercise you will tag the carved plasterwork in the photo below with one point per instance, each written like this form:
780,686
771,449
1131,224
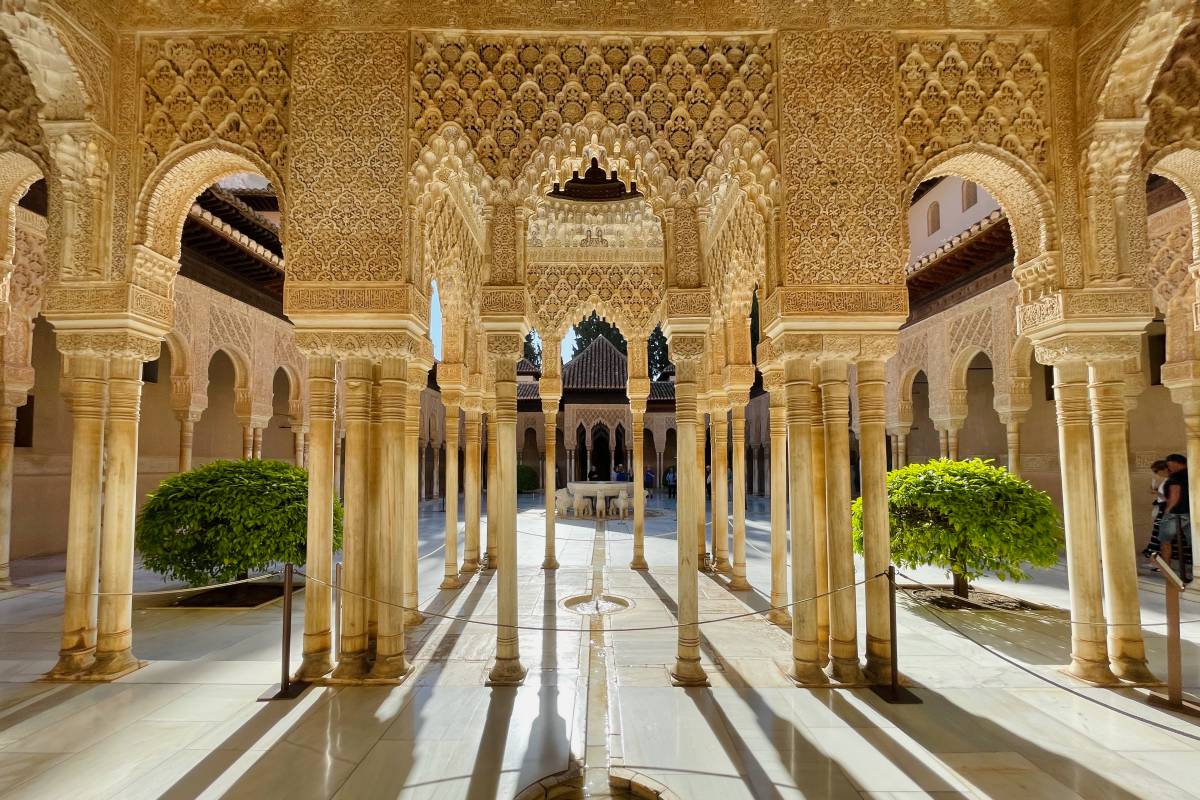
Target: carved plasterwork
1171,258
54,71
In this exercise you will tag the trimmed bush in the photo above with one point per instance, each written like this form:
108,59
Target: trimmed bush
969,517
527,479
227,518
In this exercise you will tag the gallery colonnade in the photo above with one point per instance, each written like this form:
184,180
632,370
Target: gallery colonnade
777,164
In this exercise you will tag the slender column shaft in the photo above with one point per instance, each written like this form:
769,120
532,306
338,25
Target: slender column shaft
493,489
450,576
337,462
843,620
877,545
390,662
298,447
88,405
257,443
639,493
551,427
8,429
1012,435
375,511
437,472
1089,654
806,666
319,544
114,642
779,507
471,490
943,443
508,669
902,449
422,464
1110,423
690,504
737,430
820,523
247,440
952,443
186,429
701,435
412,509
720,492
352,651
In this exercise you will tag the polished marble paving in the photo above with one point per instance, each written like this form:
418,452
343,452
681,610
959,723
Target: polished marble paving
998,720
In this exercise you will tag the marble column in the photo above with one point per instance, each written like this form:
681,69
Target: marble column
298,446
450,578
1110,424
257,442
8,429
88,402
702,554
422,465
877,544
806,663
901,452
550,425
1089,652
1012,435
247,440
337,461
843,618
114,640
720,491
686,353
375,513
639,487
352,630
319,550
820,523
471,432
773,382
505,350
390,660
493,488
418,378
187,425
737,429
437,472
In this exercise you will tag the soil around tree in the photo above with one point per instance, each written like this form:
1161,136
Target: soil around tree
242,595
977,600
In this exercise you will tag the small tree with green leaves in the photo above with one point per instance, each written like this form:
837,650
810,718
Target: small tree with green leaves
224,519
969,517
527,478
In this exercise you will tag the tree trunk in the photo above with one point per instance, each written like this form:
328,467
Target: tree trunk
961,586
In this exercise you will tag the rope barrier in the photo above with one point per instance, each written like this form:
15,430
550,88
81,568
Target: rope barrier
640,628
154,593
1027,613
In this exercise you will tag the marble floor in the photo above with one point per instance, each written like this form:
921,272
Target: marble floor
997,720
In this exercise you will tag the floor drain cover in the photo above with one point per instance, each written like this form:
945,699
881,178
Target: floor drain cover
590,604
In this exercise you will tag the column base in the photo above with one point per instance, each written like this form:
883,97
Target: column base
739,584
112,665
804,673
846,670
72,664
389,669
878,670
314,666
1134,671
351,667
413,618
724,566
1093,672
507,672
639,563
779,616
450,582
469,566
550,563
688,672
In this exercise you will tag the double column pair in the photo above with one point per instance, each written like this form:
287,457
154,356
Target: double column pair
379,547
1093,424
105,376
728,413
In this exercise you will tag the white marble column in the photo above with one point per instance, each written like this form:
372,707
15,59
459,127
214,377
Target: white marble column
8,429
318,606
298,446
187,425
352,631
1012,436
418,378
257,442
450,579
877,546
702,554
639,487
843,618
437,472
550,426
820,520
1110,425
390,659
471,433
493,487
773,383
720,491
114,640
247,440
505,350
738,398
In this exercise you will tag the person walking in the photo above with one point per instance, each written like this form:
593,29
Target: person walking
1158,490
1175,526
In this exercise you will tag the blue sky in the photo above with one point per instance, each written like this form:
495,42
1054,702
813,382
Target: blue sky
435,329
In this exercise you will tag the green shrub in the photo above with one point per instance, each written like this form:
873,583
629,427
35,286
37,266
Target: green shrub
227,518
527,479
969,517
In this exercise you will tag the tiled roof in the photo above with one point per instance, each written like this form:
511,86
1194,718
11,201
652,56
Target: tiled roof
662,390
526,367
528,391
600,367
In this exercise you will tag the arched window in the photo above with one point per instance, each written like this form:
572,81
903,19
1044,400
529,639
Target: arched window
934,218
970,194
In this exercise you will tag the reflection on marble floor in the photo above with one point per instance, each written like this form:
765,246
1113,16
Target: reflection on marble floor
188,725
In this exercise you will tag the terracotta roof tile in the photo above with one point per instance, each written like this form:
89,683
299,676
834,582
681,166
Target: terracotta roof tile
662,390
528,390
526,367
600,367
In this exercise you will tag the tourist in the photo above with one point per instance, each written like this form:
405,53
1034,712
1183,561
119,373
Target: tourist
1158,490
1175,525
669,481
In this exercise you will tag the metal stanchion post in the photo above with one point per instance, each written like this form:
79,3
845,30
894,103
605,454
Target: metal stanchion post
894,692
337,610
287,688
1174,698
